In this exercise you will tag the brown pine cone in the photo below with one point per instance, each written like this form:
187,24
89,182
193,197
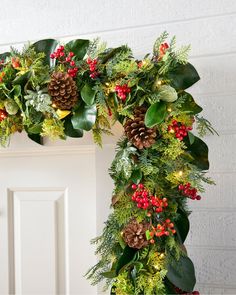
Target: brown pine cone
63,90
137,132
134,234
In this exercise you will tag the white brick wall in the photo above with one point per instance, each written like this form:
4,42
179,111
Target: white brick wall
210,27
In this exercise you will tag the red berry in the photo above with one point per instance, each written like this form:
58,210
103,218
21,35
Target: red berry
72,63
134,186
140,186
71,54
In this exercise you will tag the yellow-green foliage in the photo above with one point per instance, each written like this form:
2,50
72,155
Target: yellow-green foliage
53,128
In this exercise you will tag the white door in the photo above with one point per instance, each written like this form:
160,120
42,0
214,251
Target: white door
47,218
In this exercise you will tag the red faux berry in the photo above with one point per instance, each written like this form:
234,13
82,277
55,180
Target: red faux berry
3,115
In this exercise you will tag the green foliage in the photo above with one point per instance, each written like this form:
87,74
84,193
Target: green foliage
53,128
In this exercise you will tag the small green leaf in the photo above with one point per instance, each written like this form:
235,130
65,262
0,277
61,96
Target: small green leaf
136,176
127,257
22,79
155,114
109,274
78,47
35,129
183,76
85,117
47,46
17,90
189,105
88,94
69,130
182,274
148,236
191,137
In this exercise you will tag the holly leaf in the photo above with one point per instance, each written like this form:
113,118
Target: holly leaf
47,46
183,76
69,129
182,274
199,152
189,105
155,114
85,117
88,94
127,257
78,47
182,226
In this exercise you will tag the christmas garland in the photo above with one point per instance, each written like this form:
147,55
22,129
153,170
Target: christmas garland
53,90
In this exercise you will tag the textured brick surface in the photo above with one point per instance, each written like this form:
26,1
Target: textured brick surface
210,27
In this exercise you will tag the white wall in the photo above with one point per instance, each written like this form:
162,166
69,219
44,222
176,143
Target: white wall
209,26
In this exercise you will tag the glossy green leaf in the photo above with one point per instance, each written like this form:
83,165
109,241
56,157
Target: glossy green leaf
36,128
78,47
182,226
109,274
189,105
155,114
183,76
182,274
69,129
36,138
88,94
4,55
47,46
191,137
127,257
85,117
22,79
136,176
199,152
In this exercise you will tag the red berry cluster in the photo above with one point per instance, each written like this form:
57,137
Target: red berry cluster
3,115
60,55
163,229
122,91
179,129
144,200
92,67
162,49
188,191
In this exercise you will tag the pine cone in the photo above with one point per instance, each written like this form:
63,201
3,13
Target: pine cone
134,234
63,90
137,132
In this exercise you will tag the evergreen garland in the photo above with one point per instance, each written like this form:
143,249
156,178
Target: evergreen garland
159,162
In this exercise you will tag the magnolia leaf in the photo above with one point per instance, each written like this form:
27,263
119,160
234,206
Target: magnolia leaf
182,226
183,76
22,79
88,94
182,274
69,129
199,152
127,257
189,105
47,46
36,138
109,274
155,114
136,176
35,129
85,117
78,47
4,55
191,137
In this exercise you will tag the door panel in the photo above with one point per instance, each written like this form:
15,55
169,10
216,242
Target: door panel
48,217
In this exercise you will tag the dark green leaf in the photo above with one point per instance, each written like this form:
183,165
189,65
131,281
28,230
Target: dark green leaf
169,288
47,46
189,104
183,76
88,94
109,274
199,152
182,226
69,130
85,117
127,256
182,274
36,138
136,176
155,114
22,79
78,47
17,90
